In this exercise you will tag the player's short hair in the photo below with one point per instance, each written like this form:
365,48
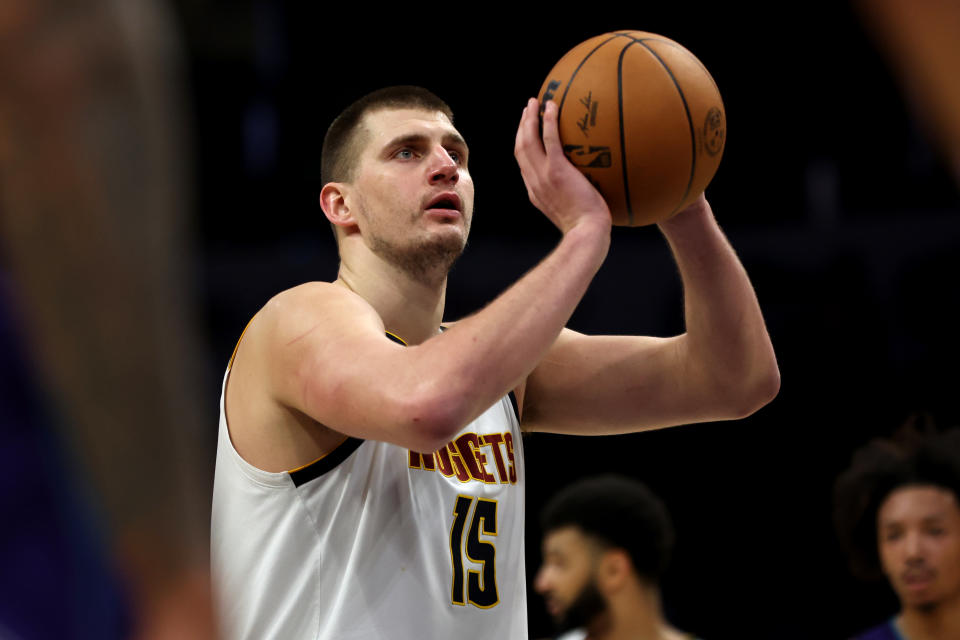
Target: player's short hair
344,138
618,512
912,457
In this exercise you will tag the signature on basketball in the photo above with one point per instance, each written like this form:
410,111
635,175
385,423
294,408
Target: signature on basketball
589,118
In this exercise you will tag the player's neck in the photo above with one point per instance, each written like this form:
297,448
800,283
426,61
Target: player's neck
635,617
934,624
409,308
647,629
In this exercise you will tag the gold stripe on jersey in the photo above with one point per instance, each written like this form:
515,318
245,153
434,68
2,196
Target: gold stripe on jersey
239,340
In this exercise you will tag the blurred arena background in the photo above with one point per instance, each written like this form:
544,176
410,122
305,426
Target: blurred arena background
839,188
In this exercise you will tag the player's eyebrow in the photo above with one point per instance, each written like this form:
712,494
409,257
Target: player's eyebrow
455,140
450,139
933,518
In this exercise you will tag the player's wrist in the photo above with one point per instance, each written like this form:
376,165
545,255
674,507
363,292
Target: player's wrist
694,216
593,232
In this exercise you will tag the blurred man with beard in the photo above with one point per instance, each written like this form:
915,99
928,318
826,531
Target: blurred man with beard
607,542
898,515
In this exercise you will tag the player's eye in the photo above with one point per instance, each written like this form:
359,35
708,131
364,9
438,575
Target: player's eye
458,156
892,535
405,154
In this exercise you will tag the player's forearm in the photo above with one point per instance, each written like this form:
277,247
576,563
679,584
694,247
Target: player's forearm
726,337
487,354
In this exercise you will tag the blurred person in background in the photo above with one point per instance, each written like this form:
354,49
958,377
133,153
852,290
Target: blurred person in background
106,469
897,511
607,541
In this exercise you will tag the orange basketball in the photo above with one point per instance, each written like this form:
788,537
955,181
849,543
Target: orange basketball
642,118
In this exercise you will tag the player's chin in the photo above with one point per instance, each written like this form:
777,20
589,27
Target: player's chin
442,247
451,234
919,598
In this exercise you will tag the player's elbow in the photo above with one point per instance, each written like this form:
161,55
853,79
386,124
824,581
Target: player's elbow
752,392
430,420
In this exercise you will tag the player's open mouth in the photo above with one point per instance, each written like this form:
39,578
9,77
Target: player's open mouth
918,579
553,607
448,201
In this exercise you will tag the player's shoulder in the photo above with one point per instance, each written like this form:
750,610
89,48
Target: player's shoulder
303,309
305,296
310,303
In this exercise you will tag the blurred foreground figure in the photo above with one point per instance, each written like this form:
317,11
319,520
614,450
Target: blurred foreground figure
919,39
898,515
93,208
606,543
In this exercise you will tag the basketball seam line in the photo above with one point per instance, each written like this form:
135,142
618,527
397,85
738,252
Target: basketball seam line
686,108
573,75
623,146
676,45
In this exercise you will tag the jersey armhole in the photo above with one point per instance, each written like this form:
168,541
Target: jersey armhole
320,466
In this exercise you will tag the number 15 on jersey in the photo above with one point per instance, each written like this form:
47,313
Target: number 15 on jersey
480,589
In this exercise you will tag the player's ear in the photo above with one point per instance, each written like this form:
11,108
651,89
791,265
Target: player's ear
614,570
334,202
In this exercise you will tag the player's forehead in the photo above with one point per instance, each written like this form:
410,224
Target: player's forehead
915,503
566,541
386,125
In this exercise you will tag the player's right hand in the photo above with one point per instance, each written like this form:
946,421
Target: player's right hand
555,186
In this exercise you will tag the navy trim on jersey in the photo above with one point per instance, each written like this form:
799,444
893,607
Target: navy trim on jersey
516,405
327,463
396,339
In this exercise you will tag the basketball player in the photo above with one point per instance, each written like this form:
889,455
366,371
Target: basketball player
898,515
370,473
606,543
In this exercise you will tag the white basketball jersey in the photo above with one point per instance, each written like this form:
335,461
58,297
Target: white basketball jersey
375,541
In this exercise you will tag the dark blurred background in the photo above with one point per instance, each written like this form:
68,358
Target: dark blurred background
834,189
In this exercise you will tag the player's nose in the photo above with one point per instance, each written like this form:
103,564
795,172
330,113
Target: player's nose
443,168
913,545
541,582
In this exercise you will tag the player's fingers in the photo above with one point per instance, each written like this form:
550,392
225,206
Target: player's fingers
528,150
528,146
551,130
